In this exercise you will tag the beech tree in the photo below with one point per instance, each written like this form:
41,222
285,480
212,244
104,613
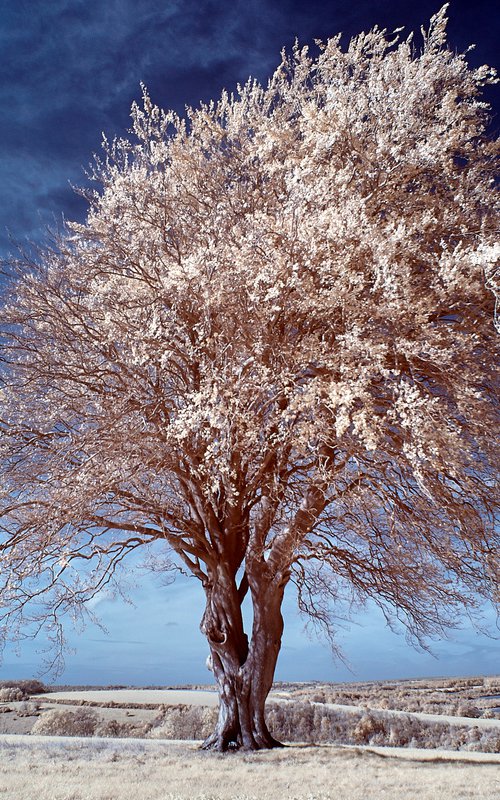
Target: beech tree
267,356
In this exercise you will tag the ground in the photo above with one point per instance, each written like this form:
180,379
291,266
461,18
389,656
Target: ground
49,768
71,768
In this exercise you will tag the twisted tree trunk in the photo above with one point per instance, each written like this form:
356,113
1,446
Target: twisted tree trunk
243,670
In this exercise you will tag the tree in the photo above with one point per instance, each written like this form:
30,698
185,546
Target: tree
269,350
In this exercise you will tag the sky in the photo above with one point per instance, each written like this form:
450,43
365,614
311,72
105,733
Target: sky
69,70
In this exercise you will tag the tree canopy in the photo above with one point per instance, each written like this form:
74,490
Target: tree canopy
269,348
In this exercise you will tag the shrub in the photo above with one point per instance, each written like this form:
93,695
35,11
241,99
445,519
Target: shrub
300,722
183,722
367,728
489,743
466,710
11,694
121,730
406,731
33,686
28,708
82,722
25,687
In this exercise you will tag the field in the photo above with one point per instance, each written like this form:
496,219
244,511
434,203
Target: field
106,769
157,766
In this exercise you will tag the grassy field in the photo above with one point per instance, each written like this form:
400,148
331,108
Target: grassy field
36,768
456,720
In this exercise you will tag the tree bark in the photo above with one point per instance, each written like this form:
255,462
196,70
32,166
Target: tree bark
244,671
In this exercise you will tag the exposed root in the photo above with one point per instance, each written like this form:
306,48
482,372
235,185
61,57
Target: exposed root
221,744
224,743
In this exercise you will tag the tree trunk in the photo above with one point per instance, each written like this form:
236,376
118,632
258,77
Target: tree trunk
244,672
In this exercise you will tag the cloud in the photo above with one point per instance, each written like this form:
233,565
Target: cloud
71,68
99,598
107,641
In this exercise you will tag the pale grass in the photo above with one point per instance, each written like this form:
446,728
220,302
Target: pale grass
149,696
53,768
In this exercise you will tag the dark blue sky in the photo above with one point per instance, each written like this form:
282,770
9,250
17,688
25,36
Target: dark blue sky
70,69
